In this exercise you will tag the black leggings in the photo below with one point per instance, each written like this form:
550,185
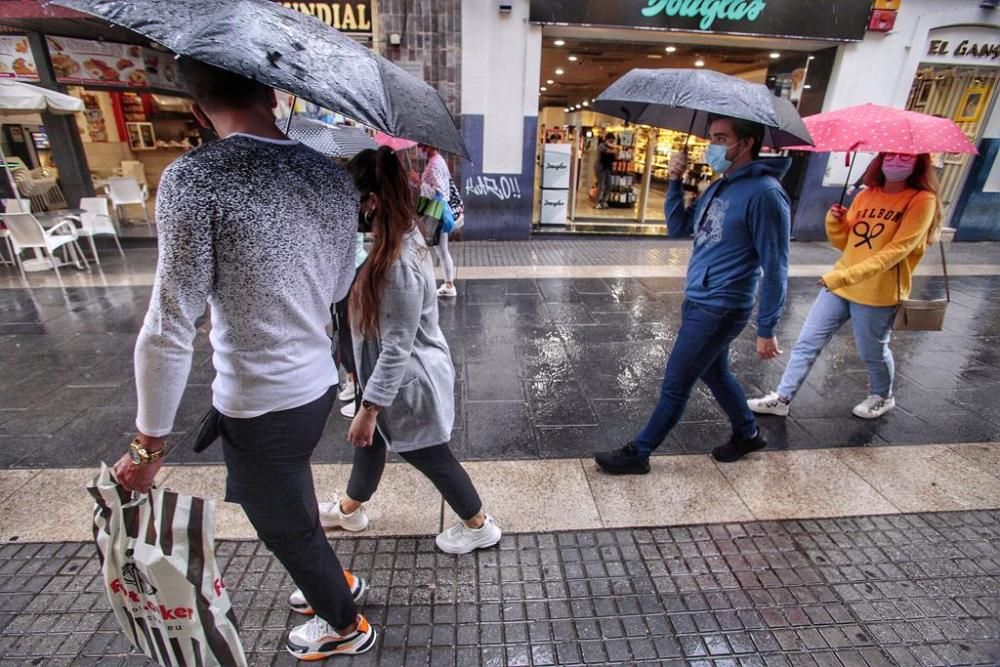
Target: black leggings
437,463
267,459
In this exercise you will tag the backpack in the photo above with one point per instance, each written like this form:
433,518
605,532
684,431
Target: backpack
455,202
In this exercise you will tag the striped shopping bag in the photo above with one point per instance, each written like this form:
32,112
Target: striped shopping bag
165,587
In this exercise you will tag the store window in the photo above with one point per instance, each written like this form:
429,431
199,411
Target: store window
963,94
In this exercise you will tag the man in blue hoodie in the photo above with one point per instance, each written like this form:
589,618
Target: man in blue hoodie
741,225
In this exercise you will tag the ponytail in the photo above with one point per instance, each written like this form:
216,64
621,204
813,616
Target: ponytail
379,172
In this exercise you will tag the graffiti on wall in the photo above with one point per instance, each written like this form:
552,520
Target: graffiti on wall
503,188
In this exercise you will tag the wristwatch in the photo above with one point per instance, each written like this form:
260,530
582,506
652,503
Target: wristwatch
369,406
140,456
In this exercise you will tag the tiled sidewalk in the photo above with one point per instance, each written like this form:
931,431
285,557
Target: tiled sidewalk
919,589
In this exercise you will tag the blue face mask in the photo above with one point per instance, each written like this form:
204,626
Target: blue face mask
715,156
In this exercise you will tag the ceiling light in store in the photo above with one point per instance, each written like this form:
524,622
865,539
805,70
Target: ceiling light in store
671,49
578,106
775,55
566,110
549,82
560,42
586,103
573,59
654,56
560,71
543,89
807,86
699,63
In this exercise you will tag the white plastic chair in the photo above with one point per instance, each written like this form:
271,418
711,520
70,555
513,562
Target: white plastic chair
134,169
13,206
27,232
125,192
96,221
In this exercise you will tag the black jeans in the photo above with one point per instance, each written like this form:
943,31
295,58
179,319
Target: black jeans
267,459
437,463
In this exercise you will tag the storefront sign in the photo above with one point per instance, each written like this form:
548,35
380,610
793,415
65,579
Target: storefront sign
963,45
843,20
965,49
16,61
350,17
87,63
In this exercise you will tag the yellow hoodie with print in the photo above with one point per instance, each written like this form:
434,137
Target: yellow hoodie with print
880,232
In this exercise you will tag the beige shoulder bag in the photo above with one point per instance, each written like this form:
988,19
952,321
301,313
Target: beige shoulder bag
922,314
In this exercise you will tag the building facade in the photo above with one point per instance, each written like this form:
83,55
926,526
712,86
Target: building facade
935,57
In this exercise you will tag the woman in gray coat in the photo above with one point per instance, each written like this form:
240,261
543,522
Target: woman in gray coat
404,369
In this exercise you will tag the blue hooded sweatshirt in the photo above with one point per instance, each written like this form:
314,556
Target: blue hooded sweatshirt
741,225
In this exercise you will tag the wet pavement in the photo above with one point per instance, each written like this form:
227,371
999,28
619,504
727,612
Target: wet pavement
547,368
555,358
917,589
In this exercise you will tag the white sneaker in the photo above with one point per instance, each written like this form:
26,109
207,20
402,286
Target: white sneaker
444,290
330,516
874,407
317,640
346,391
297,601
772,404
460,539
348,410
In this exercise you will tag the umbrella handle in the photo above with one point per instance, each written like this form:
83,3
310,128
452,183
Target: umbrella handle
291,112
687,140
847,181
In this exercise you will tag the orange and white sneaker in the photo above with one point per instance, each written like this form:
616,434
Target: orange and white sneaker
317,640
297,601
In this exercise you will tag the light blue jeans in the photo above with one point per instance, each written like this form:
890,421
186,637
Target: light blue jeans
872,329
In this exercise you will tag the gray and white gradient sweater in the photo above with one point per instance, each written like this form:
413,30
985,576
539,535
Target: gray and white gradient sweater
262,231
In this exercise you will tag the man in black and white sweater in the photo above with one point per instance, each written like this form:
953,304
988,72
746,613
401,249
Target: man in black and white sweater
262,229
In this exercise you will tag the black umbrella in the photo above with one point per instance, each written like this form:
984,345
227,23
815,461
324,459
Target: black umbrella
291,51
682,99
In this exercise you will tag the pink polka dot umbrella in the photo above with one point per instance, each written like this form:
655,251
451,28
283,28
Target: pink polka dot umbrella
874,128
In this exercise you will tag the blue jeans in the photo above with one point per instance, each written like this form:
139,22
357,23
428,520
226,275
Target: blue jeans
872,329
700,352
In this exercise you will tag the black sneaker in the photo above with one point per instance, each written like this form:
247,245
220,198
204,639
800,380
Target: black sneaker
624,461
738,447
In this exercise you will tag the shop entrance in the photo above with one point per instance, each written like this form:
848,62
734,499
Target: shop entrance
574,70
964,94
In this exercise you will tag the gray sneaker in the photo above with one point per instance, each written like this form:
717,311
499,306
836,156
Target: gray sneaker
772,404
874,407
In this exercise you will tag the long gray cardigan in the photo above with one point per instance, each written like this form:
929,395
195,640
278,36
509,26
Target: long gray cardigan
408,370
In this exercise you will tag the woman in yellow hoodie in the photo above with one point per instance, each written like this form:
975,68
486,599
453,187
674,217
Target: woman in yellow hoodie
882,237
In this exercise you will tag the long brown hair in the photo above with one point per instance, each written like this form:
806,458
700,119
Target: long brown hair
923,178
379,172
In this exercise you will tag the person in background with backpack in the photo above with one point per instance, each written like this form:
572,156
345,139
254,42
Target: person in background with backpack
883,237
436,180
